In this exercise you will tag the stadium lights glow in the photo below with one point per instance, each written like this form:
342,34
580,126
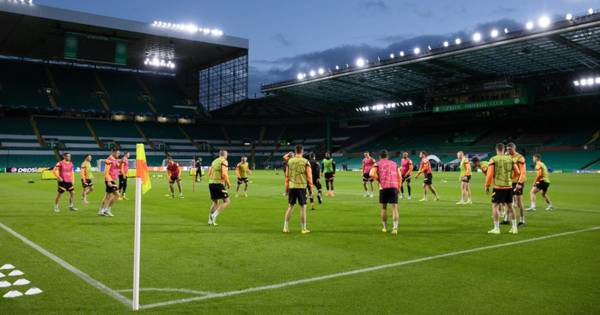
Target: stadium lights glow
529,26
392,56
417,50
505,30
429,47
446,44
360,62
590,11
28,2
190,28
569,17
402,54
477,37
337,67
159,63
301,76
458,41
312,73
381,106
321,71
589,81
544,22
494,33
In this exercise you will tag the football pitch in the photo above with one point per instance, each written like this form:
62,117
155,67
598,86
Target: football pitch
443,260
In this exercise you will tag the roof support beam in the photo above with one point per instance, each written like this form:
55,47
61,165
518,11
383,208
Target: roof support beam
594,55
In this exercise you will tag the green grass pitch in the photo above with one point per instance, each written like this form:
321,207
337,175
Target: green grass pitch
558,275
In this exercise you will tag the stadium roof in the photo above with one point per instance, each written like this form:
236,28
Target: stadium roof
37,31
568,46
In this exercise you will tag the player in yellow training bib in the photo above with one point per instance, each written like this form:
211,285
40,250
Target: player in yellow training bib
242,171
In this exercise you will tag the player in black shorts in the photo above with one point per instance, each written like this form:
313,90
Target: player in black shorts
198,166
315,167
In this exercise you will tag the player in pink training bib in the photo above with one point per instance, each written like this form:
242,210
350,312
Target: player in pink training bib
63,171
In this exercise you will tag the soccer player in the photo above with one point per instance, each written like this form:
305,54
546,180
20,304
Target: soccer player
123,170
218,183
387,173
87,178
425,169
329,173
111,173
406,169
482,165
542,183
499,174
63,171
518,186
242,171
198,165
315,167
174,174
298,178
465,178
367,164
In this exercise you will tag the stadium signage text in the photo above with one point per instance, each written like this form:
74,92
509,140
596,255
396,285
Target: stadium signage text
481,105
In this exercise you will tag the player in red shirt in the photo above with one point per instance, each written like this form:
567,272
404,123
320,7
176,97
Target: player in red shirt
425,169
64,175
174,174
367,165
406,169
111,173
123,170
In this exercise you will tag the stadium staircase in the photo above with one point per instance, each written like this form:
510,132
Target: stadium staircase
592,165
51,97
149,99
103,95
90,128
141,132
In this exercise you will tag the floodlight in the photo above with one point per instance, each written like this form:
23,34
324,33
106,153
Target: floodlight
417,50
529,26
312,73
321,71
505,30
590,11
477,37
576,83
597,80
402,54
458,41
494,33
392,56
360,62
446,44
569,17
544,22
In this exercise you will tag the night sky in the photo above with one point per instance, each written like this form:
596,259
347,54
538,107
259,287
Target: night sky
287,37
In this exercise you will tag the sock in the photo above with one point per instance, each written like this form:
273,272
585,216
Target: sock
395,225
409,190
522,219
496,224
304,226
402,190
384,225
514,223
505,216
56,206
71,205
533,204
285,225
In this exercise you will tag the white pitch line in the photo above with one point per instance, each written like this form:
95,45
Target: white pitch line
189,291
360,271
82,275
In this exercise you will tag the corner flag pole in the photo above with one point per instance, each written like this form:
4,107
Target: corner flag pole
136,244
142,185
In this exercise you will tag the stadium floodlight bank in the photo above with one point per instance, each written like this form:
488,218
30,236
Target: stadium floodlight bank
212,67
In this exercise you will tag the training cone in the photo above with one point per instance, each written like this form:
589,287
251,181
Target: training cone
7,267
22,282
12,294
33,291
15,273
5,284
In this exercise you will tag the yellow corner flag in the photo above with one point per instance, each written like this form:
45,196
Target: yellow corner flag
141,168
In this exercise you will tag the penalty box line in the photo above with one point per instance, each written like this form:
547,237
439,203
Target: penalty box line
82,275
361,271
